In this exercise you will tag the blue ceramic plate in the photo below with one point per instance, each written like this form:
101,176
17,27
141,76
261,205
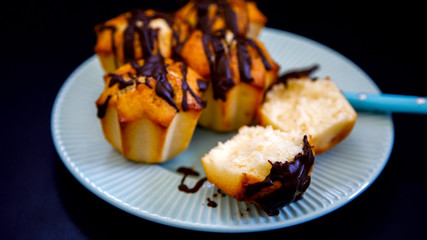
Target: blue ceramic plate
151,191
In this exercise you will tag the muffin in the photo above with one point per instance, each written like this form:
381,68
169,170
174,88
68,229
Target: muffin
138,34
260,165
315,106
239,70
150,108
242,17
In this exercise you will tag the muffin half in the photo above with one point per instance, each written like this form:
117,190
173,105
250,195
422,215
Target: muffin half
315,106
267,167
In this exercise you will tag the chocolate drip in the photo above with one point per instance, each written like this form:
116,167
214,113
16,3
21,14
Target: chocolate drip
102,109
115,78
137,68
222,79
202,84
224,10
260,53
230,17
211,203
189,172
297,73
186,88
155,67
245,63
203,22
138,23
293,178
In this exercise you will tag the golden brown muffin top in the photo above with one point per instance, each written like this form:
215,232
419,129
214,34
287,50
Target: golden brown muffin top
155,87
227,59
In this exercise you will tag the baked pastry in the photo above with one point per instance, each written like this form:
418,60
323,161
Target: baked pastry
149,108
242,17
138,34
260,165
239,70
316,107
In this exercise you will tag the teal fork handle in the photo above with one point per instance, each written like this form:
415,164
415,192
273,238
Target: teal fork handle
387,102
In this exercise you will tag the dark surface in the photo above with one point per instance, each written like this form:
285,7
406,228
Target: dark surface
44,41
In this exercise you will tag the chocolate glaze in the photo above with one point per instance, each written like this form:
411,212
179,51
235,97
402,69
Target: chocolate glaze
293,178
264,60
211,203
224,11
305,72
230,16
202,84
186,88
102,109
138,23
189,172
203,22
245,63
118,79
222,79
154,65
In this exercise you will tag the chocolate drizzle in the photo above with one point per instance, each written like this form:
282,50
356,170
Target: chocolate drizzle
245,63
155,67
203,23
138,24
154,63
102,109
186,88
189,172
292,179
305,72
118,79
222,80
224,10
211,203
221,76
202,84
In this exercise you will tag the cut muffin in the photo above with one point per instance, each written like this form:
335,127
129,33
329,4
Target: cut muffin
242,17
314,106
260,165
138,34
239,70
149,109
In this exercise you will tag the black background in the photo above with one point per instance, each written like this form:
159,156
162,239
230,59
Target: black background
42,42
